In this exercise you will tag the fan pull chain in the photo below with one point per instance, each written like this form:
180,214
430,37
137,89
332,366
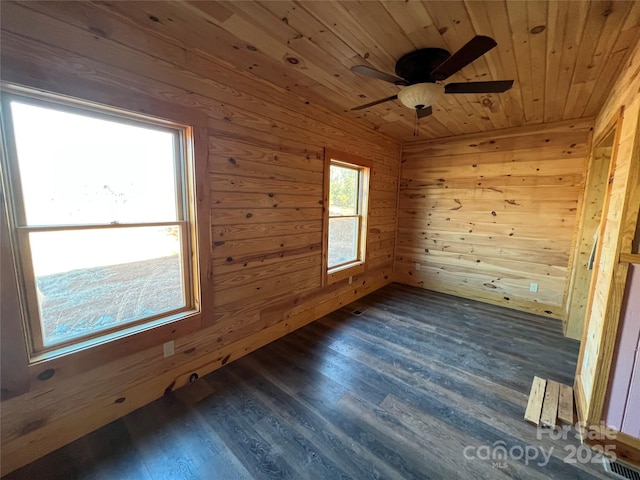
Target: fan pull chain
416,127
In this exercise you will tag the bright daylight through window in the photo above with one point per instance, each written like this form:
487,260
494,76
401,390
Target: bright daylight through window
100,213
347,191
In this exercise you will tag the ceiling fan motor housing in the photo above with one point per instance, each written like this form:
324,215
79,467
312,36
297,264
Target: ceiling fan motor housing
416,67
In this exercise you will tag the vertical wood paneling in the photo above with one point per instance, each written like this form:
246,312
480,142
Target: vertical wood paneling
484,216
259,189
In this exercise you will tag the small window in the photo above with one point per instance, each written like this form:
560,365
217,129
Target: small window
348,185
101,217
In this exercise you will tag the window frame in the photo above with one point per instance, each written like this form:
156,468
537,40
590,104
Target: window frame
364,166
19,229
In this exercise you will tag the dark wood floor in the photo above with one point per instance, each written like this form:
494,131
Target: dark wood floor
403,390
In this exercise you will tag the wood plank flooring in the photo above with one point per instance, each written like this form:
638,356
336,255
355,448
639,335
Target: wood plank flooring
415,385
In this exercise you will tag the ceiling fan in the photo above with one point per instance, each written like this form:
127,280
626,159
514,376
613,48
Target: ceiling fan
419,71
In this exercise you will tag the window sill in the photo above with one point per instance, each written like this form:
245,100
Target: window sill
112,336
344,271
66,364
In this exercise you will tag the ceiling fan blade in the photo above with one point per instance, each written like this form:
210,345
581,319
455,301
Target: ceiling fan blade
424,112
475,48
497,86
373,73
377,102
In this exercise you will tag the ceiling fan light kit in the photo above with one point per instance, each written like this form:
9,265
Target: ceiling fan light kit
420,95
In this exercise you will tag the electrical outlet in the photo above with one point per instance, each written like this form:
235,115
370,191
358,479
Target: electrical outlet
417,266
350,280
533,287
168,349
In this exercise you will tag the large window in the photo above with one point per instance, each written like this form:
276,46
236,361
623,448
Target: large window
348,185
99,207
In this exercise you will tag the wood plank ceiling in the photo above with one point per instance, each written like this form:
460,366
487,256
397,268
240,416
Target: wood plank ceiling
307,48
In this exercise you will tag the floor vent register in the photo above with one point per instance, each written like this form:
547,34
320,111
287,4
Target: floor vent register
620,470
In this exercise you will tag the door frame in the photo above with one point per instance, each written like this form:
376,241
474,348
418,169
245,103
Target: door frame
590,410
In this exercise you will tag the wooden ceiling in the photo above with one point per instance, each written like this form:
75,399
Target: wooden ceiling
307,47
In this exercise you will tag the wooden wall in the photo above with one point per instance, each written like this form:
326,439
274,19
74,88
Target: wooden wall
259,153
603,311
483,216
